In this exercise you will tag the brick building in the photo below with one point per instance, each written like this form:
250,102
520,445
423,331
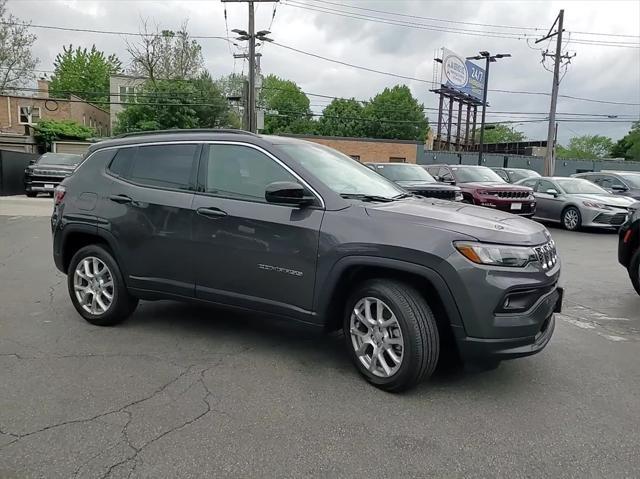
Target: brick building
372,149
17,111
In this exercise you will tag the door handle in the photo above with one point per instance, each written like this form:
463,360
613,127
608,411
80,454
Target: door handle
211,212
122,199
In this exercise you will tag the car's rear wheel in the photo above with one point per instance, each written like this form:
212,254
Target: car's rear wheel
97,288
571,218
634,271
391,334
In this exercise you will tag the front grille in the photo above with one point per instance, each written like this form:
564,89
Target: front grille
57,173
607,219
510,194
46,179
547,254
442,194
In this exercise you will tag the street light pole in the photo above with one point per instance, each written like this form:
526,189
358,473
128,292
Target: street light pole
489,59
484,109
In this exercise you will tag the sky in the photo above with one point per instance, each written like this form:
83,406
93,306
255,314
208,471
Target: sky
609,73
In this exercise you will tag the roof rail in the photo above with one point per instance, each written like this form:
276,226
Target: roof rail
186,130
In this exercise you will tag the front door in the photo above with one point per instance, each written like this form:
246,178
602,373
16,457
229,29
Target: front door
548,206
249,252
149,213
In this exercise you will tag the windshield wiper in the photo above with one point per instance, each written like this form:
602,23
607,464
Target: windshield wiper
404,195
363,197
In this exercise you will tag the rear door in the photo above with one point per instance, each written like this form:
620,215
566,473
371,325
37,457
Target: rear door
149,213
249,252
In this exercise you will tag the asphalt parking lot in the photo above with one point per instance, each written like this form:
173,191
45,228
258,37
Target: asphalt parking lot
189,391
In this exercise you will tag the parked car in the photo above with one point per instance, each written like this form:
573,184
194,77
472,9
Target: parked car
511,175
48,171
482,186
290,228
577,203
629,246
415,179
624,183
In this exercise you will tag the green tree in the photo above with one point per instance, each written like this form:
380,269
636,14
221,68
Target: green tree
343,118
83,73
50,130
166,104
165,54
395,113
287,107
628,147
499,133
16,60
588,147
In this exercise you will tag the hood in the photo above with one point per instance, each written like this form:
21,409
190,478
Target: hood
609,200
425,185
483,224
495,185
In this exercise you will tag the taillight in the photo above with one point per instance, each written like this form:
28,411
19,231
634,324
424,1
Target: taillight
58,194
627,236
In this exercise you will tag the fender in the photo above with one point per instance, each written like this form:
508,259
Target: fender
324,294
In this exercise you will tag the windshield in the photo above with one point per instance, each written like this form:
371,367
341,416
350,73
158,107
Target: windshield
340,173
522,174
577,186
62,159
478,174
404,173
632,180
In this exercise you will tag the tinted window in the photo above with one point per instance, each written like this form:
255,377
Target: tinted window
59,159
521,174
576,186
610,181
633,179
502,174
545,185
169,166
480,174
404,173
241,172
122,161
530,182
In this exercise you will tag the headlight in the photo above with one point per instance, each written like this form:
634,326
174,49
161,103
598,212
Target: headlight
592,204
496,255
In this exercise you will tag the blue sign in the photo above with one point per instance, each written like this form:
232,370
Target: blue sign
462,75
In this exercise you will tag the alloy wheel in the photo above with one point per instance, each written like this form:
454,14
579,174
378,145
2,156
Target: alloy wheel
376,337
93,285
571,219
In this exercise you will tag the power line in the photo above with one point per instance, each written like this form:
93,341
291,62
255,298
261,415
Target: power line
535,29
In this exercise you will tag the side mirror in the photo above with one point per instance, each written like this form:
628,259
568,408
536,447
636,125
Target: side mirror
445,180
287,193
619,188
33,161
552,192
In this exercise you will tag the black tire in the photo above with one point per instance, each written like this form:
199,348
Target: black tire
31,194
122,305
634,270
565,213
421,341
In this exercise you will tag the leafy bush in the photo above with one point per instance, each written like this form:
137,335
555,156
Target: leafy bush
51,130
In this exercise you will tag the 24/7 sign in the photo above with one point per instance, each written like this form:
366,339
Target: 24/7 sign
462,75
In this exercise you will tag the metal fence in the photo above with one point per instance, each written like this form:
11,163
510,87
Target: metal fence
536,163
12,165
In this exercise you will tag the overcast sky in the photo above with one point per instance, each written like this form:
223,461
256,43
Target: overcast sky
597,72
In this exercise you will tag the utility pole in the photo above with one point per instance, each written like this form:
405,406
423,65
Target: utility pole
550,155
251,36
489,59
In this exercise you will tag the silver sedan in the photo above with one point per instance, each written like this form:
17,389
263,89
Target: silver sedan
577,203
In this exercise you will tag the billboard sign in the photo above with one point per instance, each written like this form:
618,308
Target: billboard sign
462,75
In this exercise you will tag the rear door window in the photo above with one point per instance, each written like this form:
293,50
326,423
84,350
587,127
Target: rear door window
122,162
164,166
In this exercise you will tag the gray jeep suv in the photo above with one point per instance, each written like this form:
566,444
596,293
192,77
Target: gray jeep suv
285,227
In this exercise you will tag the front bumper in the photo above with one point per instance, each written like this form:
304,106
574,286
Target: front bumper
541,315
517,206
599,218
42,183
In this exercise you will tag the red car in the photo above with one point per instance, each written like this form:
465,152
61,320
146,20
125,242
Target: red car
482,186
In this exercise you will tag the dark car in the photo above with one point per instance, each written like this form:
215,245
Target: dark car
483,187
624,183
415,179
290,228
48,171
511,175
629,246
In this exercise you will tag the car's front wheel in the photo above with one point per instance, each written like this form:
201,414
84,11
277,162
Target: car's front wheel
571,218
634,270
96,287
391,334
